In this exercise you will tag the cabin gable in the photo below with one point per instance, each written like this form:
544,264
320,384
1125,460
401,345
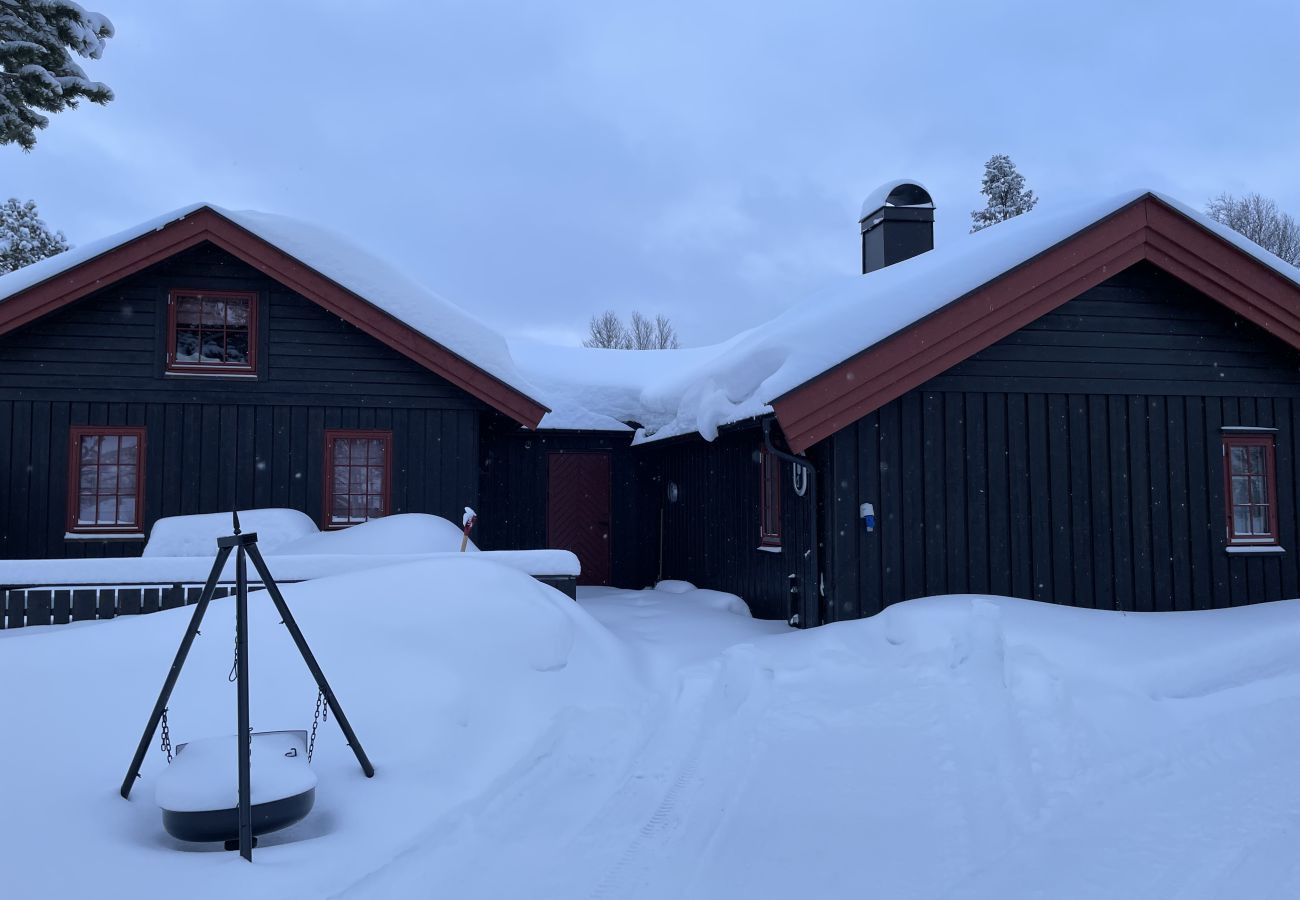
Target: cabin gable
216,442
1078,460
1146,229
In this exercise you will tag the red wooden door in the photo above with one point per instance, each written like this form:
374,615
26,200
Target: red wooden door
577,511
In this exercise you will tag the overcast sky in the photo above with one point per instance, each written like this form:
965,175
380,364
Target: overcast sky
539,162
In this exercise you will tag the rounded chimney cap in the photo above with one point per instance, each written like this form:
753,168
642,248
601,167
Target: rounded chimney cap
902,192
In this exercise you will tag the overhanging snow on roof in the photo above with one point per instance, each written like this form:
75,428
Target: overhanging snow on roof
794,364
786,364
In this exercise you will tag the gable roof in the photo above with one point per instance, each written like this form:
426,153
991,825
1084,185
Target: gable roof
867,339
325,268
1222,265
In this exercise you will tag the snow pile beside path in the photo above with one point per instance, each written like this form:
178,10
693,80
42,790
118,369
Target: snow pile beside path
1153,655
1050,751
197,535
456,674
718,600
402,533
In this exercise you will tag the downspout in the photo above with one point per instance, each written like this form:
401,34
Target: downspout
797,620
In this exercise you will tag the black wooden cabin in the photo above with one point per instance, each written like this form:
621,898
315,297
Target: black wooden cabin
196,368
1111,423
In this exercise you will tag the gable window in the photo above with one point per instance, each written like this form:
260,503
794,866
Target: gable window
1250,481
211,332
106,480
357,467
770,505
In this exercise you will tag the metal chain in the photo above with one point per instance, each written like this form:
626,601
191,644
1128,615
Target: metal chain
166,737
311,744
234,664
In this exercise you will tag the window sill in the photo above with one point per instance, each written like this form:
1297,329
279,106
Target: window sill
1265,549
769,548
103,536
241,376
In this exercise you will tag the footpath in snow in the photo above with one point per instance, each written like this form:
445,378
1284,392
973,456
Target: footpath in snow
664,744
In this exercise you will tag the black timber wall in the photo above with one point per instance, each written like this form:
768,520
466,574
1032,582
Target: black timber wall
711,533
1077,461
216,443
514,480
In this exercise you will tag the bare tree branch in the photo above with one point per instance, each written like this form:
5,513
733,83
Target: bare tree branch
1258,218
665,334
607,331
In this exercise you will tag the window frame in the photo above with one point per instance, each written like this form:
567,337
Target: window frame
75,434
172,367
1266,440
769,506
386,495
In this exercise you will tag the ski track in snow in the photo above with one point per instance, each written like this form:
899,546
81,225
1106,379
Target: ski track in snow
723,699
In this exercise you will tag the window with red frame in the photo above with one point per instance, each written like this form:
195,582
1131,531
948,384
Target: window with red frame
1250,481
770,506
212,332
106,478
357,467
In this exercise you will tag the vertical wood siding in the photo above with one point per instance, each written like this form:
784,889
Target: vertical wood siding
711,533
1077,462
515,488
216,443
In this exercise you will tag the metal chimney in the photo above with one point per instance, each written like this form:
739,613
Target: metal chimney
897,224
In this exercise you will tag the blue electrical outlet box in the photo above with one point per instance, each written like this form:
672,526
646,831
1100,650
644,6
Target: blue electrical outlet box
868,514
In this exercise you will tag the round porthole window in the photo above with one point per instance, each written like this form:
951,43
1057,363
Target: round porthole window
672,492
799,476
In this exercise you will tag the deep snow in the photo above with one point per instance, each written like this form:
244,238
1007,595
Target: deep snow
662,743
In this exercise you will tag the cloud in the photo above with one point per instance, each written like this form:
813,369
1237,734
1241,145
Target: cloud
537,163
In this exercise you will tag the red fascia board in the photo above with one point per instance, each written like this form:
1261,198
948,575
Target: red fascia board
207,225
932,345
1147,229
354,310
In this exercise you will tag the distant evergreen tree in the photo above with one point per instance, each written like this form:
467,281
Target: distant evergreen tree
24,238
1005,189
37,71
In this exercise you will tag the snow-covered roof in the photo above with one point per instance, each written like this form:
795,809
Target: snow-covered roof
676,392
340,260
881,195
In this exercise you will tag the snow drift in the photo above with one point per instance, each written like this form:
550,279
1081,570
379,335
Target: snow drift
658,743
452,672
197,535
402,533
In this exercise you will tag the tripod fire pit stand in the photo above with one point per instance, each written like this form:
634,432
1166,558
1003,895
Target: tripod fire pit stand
245,548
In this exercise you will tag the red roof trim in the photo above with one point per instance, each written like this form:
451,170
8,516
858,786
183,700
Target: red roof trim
1146,229
207,225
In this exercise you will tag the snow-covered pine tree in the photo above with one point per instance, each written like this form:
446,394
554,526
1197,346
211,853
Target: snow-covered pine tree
24,238
1005,189
37,71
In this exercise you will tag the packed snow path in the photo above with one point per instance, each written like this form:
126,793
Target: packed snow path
784,764
660,744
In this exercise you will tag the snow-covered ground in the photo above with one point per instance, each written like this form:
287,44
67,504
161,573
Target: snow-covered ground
664,744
